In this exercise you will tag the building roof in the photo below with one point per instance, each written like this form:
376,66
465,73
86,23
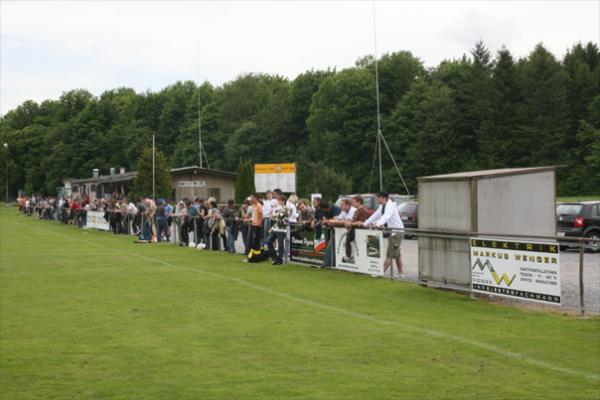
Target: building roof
483,174
197,169
127,176
124,177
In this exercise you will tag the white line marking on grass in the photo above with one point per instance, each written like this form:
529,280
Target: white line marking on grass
415,329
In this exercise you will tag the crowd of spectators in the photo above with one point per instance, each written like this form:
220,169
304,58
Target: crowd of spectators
262,220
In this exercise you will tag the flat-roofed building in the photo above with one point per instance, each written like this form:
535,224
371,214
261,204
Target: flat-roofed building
189,182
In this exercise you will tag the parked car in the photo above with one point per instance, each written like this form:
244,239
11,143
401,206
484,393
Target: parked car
580,219
408,214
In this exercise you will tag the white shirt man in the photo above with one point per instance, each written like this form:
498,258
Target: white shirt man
292,213
268,204
131,209
347,215
387,216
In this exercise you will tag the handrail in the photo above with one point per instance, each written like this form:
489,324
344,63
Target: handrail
450,234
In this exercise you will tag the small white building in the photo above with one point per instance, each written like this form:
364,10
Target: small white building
512,201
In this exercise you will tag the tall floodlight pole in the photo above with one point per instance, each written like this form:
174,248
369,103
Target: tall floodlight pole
199,104
377,96
153,172
6,180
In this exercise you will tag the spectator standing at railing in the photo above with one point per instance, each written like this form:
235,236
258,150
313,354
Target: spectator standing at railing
268,204
347,213
150,216
131,212
169,213
214,227
292,210
306,213
141,216
184,220
278,230
256,225
82,214
162,227
230,226
245,219
360,215
323,213
193,224
386,216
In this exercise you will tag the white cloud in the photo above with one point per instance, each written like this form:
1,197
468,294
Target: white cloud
49,47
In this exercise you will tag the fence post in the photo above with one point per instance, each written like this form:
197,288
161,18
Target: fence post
471,293
286,244
175,225
581,290
196,241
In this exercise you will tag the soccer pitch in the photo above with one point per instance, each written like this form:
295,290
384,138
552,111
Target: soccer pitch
90,315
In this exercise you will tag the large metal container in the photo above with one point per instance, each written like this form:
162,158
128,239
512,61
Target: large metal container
514,201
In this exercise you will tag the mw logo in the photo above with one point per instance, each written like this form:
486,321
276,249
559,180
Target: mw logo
499,279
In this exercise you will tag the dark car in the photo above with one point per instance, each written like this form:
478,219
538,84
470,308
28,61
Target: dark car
408,214
580,219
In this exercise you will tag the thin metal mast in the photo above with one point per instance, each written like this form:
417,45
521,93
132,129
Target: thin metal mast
377,95
199,104
153,170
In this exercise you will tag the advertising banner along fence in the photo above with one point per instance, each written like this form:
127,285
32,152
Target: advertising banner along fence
522,270
305,247
275,176
362,251
95,219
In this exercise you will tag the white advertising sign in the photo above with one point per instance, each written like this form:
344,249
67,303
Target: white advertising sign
365,254
522,270
192,183
275,176
95,219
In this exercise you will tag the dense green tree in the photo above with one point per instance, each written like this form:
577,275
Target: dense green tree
544,110
244,181
426,123
146,181
303,89
325,180
498,133
342,123
478,111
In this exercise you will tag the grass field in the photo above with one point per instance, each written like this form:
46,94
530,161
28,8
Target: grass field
89,315
566,199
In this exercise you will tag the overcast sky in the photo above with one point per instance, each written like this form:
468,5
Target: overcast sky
50,47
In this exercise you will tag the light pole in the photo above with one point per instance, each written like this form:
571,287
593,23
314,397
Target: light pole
6,150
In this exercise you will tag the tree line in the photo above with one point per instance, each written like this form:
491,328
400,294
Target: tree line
479,111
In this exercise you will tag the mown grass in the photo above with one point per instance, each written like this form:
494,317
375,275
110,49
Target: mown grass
566,199
88,315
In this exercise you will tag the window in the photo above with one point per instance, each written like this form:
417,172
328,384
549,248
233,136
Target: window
216,193
568,209
596,210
